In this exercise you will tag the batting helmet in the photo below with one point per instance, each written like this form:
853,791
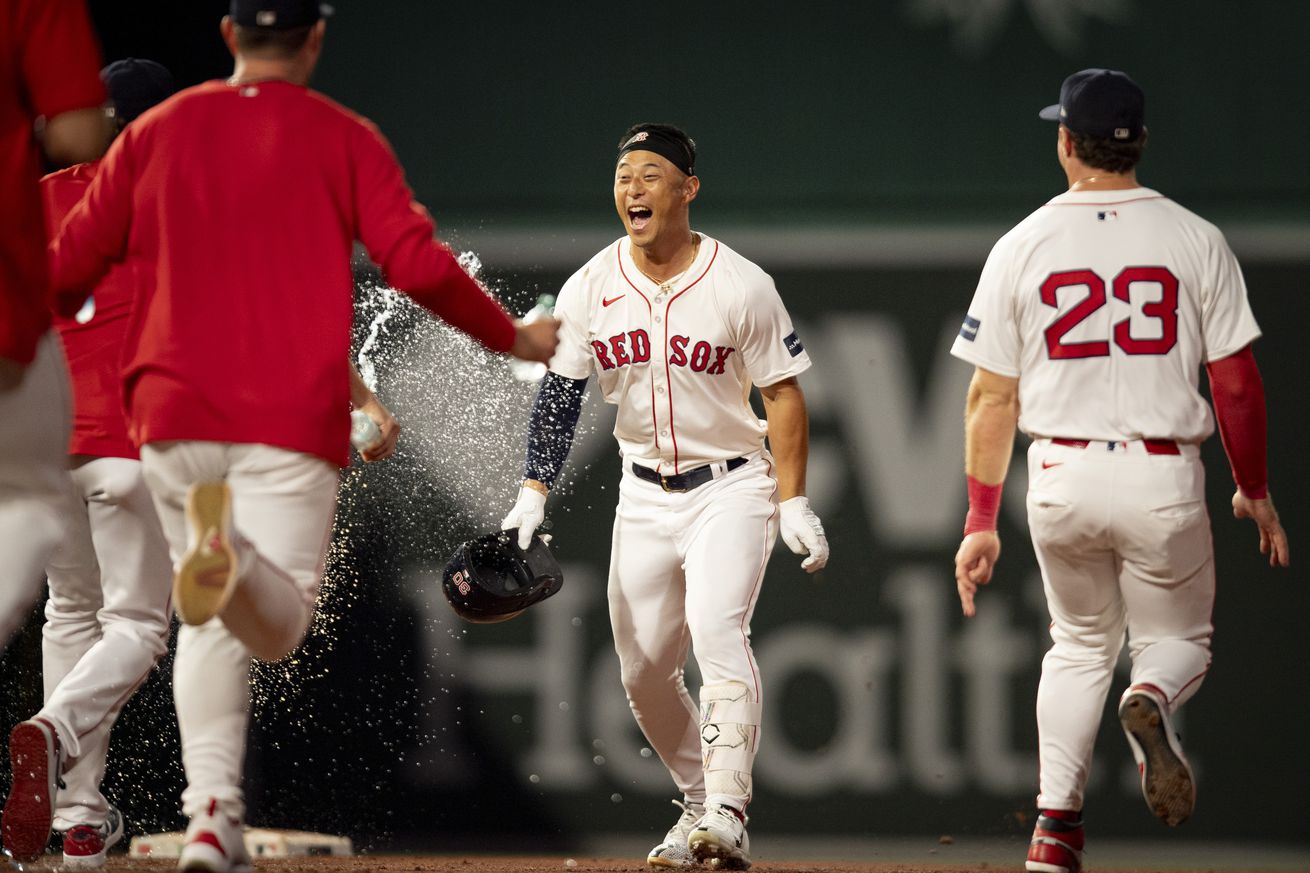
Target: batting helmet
491,579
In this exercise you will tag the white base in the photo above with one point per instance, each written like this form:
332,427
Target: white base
260,842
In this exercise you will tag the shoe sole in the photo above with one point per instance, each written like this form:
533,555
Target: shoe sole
1040,867
205,579
86,862
30,809
203,859
1167,782
665,863
707,850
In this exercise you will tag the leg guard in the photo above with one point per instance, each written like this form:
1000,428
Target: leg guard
729,737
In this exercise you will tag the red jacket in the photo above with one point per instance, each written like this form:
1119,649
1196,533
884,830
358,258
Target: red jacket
235,209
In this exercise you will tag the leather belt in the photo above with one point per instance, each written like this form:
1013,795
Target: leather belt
684,481
1153,447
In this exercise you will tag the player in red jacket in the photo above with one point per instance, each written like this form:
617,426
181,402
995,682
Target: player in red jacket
49,62
107,617
235,205
48,82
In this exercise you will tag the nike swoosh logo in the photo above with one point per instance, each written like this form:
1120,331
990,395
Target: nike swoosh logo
612,300
1046,465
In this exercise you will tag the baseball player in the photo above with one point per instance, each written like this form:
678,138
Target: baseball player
49,62
677,328
235,205
107,617
1088,328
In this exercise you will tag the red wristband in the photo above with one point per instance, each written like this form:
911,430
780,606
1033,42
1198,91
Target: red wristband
984,504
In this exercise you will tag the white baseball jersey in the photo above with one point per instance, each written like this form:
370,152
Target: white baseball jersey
679,361
1104,304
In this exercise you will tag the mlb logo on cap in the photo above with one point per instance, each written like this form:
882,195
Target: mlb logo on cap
277,14
1102,103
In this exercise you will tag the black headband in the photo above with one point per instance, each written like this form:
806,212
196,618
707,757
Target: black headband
675,150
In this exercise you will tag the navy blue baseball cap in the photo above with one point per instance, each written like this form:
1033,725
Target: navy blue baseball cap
135,85
1105,104
278,14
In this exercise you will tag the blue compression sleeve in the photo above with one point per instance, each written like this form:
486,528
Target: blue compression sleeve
551,427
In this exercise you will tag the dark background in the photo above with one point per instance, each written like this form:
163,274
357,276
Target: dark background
825,131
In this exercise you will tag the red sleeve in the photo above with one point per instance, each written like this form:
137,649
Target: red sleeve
399,235
60,57
1239,405
94,235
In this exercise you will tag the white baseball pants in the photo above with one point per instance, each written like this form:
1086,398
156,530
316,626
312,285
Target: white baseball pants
1123,541
106,622
283,504
686,570
35,415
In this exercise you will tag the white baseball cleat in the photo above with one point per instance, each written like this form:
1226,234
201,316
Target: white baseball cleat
215,843
1167,782
719,839
673,852
86,846
208,572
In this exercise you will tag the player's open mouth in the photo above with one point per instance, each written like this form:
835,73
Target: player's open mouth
639,217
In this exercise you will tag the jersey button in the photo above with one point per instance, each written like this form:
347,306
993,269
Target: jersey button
657,319
659,390
664,433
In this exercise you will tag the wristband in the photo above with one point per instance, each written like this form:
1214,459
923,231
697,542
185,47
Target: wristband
984,504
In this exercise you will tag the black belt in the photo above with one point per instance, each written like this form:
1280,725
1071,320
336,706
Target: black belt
683,481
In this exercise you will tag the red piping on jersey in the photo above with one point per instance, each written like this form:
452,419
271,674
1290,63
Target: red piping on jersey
1111,202
668,377
759,577
654,424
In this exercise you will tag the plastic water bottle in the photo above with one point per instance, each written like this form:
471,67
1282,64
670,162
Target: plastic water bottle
531,371
364,432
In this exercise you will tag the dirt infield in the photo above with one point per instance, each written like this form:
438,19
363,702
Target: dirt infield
431,864
426,864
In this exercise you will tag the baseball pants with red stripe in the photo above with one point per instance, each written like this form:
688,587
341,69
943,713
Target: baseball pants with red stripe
686,571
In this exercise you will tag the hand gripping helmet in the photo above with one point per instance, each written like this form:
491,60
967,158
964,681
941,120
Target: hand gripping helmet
491,579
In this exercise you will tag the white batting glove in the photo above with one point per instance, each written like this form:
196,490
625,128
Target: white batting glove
527,515
803,533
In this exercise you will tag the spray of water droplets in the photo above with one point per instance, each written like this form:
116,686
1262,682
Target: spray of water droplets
455,474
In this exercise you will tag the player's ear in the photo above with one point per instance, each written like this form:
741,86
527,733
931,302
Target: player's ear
317,34
690,189
229,32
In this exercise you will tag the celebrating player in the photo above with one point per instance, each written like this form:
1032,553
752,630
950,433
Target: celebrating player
677,327
235,204
1090,323
107,617
48,71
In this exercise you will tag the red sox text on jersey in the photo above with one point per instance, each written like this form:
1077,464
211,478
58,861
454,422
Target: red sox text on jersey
633,347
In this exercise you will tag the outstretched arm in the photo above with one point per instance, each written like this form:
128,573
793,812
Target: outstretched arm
991,413
1239,405
551,429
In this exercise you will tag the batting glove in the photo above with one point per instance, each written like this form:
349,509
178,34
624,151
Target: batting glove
527,515
803,533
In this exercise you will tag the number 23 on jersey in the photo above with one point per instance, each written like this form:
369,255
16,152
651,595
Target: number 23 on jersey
1164,309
